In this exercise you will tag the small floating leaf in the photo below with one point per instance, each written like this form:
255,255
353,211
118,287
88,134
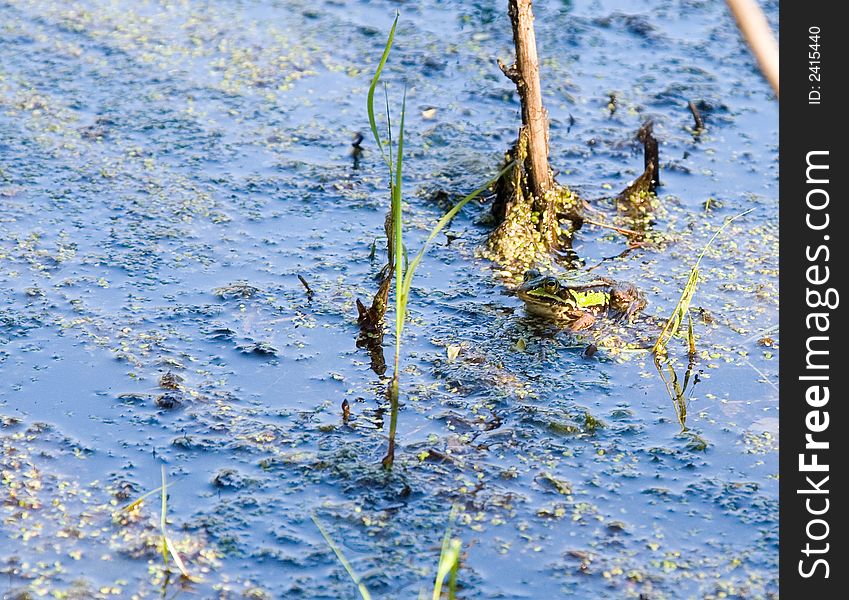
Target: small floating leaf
560,485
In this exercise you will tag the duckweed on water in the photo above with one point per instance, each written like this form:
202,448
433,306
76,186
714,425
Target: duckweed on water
171,154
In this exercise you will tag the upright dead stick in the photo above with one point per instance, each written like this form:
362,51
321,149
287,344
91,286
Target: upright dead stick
525,74
752,22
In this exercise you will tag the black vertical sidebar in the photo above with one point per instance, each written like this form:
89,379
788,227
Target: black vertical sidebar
813,250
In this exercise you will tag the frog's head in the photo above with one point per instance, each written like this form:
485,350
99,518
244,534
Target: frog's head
627,300
543,295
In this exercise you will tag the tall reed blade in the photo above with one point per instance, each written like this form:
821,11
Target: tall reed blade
400,304
373,86
404,281
398,226
388,159
672,324
403,273
691,338
389,459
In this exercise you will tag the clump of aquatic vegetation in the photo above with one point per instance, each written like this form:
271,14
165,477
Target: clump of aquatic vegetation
678,391
397,265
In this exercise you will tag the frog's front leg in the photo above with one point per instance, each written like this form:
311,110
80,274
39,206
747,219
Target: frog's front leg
582,320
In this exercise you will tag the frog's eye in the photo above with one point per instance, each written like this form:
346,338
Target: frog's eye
531,274
551,285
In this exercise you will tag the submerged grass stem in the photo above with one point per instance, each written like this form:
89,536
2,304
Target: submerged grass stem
364,593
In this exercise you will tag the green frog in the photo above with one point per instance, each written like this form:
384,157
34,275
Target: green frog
578,300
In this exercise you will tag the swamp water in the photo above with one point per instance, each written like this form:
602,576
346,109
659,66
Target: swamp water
168,169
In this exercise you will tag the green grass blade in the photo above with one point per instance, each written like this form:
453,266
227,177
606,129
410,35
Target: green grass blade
141,499
682,308
338,552
163,510
670,328
448,561
452,577
400,300
399,147
727,222
373,86
443,222
168,547
389,133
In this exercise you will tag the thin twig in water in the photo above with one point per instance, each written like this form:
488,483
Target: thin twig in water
306,287
621,230
699,124
622,254
762,333
762,374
